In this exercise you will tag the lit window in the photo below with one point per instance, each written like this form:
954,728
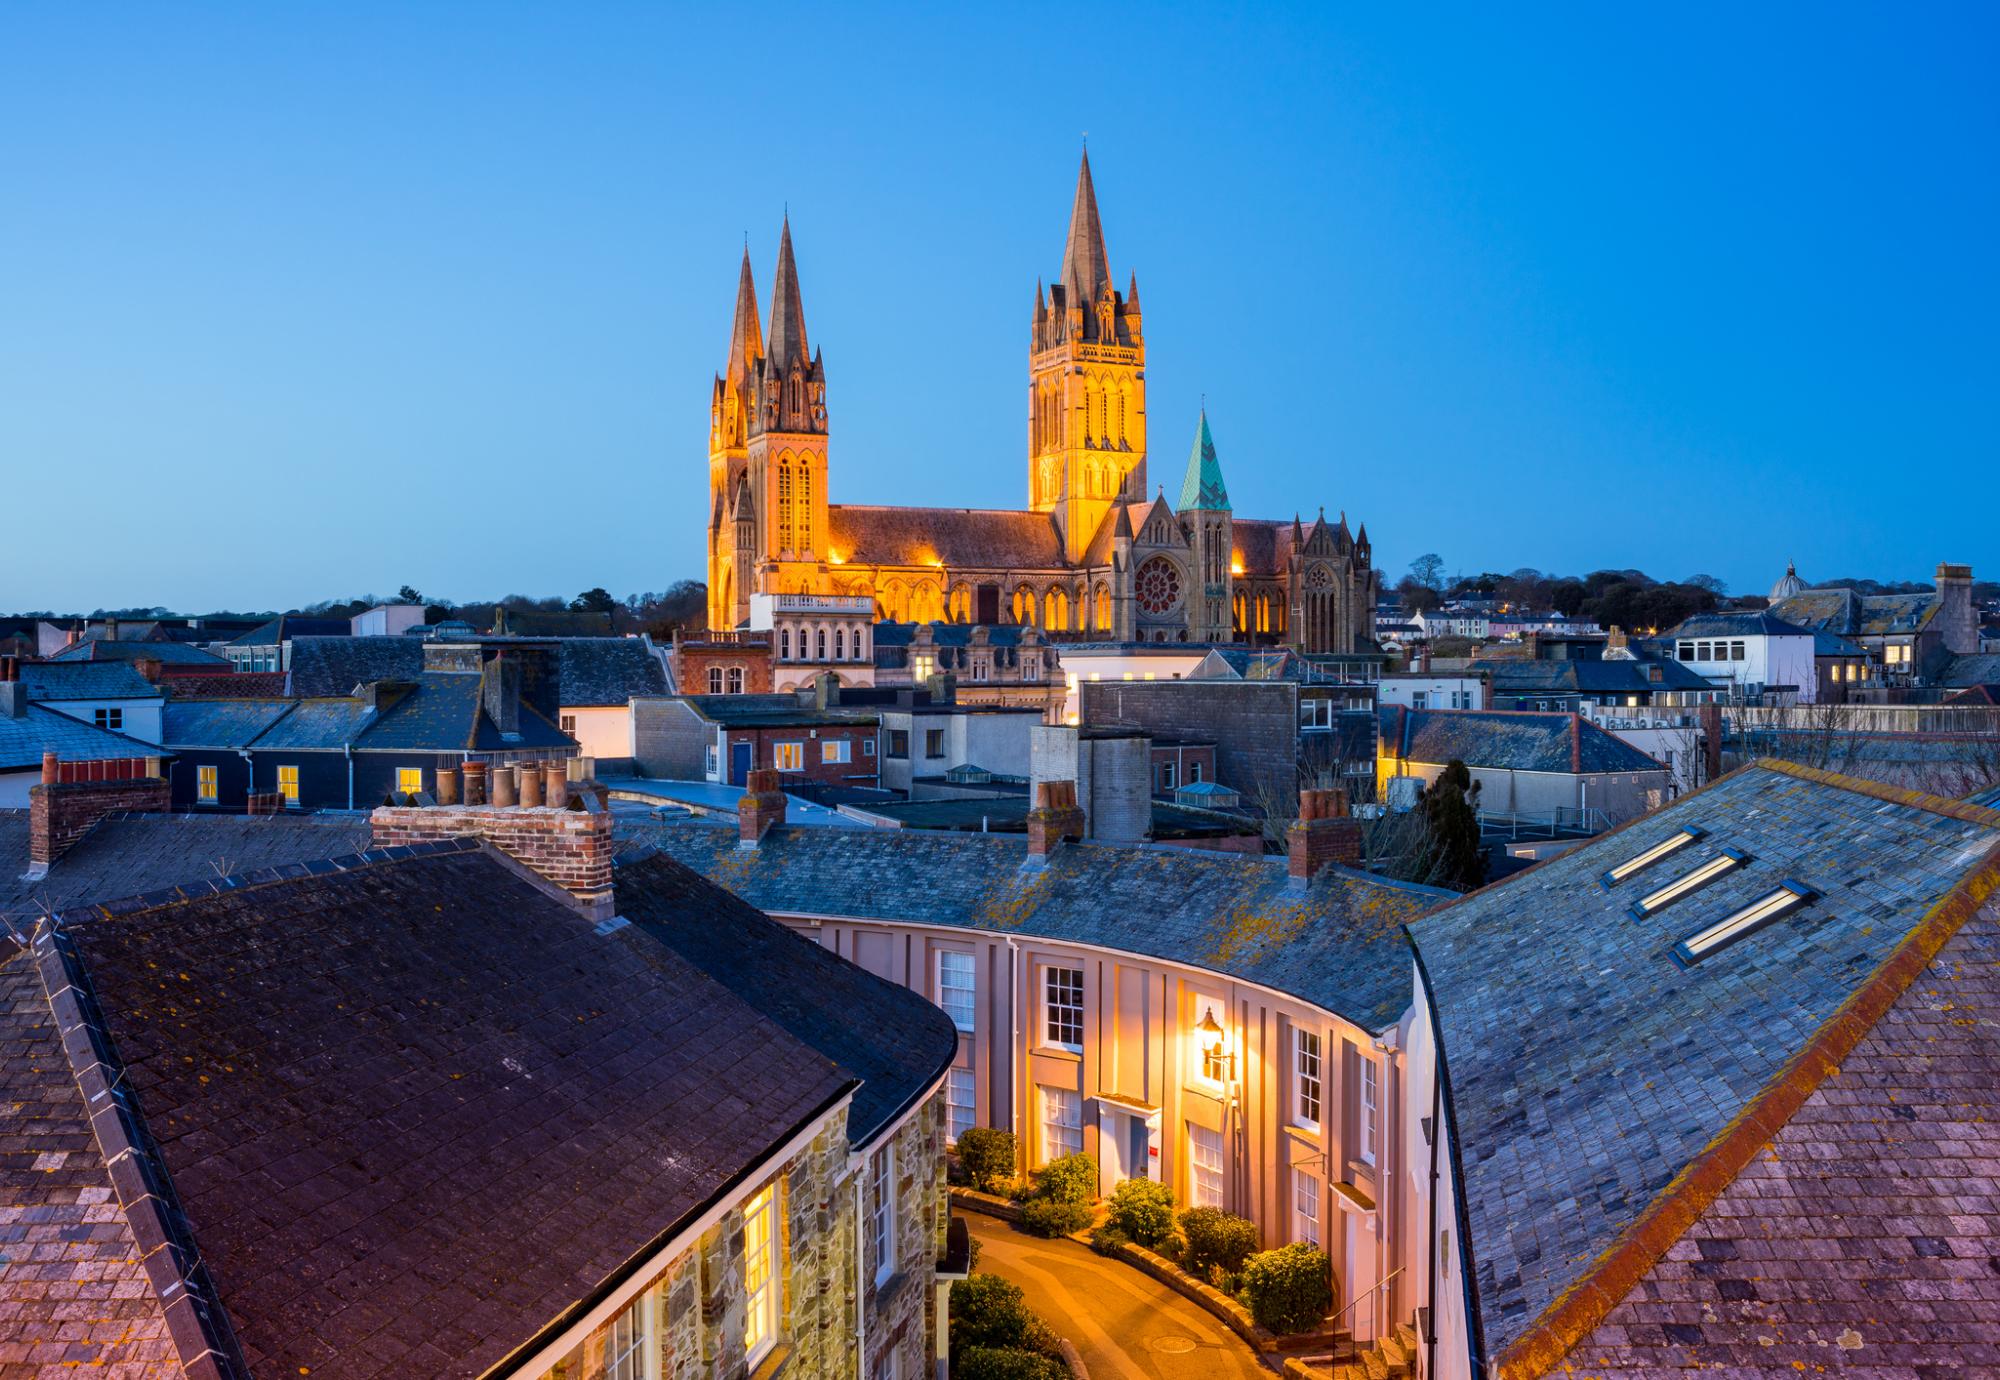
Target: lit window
409,780
1371,1110
715,680
788,756
1204,1167
1062,1002
1652,855
922,664
958,1103
954,988
1789,896
836,750
288,784
760,1273
882,1211
109,718
1306,1073
1062,1123
207,784
1654,902
1305,1207
625,1348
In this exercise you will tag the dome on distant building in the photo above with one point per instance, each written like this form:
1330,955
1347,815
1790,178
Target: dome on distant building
1788,586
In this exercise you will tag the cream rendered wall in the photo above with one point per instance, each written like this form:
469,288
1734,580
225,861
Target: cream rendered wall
1431,1252
1087,662
602,730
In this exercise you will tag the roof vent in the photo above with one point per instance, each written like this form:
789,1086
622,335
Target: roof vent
1656,901
1656,853
1789,896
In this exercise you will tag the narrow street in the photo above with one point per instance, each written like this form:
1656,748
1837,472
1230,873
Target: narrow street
1126,1326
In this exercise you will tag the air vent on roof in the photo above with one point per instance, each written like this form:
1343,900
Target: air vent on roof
1652,855
1656,901
1789,896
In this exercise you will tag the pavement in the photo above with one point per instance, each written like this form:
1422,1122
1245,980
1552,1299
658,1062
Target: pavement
1125,1325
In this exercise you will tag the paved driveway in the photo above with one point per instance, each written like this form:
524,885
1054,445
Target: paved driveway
1126,1326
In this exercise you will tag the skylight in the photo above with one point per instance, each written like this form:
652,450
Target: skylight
1789,896
1652,855
1656,901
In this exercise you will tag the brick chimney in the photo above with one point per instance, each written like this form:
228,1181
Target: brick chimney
570,849
1056,817
1324,833
149,667
1710,716
1957,620
762,805
1616,640
500,692
264,803
73,796
13,694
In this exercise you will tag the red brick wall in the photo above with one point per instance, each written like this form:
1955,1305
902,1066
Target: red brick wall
62,812
571,848
860,769
691,663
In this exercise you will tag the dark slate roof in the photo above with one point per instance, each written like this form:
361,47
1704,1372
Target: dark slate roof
606,671
962,538
1990,798
129,854
166,653
316,725
1976,695
1971,668
1502,739
1588,676
323,666
1337,944
227,685
219,723
86,680
1751,623
773,711
1587,1069
287,626
444,714
1843,611
40,730
463,1105
893,1040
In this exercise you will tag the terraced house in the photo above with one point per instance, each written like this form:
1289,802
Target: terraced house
457,1105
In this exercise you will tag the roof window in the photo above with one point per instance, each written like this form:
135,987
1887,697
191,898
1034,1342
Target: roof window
1653,902
1652,855
1789,896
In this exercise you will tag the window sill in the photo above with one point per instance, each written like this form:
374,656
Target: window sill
1060,1052
772,1363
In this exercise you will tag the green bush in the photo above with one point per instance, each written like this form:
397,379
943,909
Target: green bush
987,1156
1143,1209
1005,1363
1107,1239
1289,1289
1216,1241
1047,1217
988,1311
1070,1179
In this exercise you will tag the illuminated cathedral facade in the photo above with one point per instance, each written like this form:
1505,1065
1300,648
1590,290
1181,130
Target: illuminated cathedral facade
1091,555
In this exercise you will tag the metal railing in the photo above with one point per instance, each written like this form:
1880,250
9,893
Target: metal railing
1373,1298
1565,821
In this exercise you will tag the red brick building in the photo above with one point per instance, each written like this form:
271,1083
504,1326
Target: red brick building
722,663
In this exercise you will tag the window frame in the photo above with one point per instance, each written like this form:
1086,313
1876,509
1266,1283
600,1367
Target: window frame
1206,1177
793,753
970,987
207,784
1057,1135
835,752
933,744
1307,1221
111,718
404,778
639,1358
882,1211
715,680
1368,1103
959,1099
1308,1087
761,1304
1055,1020
289,788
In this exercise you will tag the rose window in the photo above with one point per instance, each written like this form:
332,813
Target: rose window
1159,585
1318,578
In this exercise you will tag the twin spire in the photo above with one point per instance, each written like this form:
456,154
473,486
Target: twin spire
788,317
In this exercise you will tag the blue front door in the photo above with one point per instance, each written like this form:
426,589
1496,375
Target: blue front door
739,764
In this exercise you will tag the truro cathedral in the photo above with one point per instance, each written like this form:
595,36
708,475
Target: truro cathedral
1091,554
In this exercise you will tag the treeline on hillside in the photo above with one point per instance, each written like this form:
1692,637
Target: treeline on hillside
1614,598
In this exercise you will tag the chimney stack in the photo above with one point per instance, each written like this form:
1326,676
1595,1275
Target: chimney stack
1957,620
447,785
13,694
74,796
567,849
501,783
475,783
149,667
264,803
500,692
762,805
1056,817
1324,833
555,783
1423,658
531,785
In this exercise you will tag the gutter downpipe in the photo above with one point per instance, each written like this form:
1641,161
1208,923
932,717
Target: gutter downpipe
249,776
860,1273
1014,1048
348,748
1431,1241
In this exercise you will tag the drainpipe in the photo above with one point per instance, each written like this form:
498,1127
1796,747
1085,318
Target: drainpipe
1014,1048
348,748
1431,1243
249,777
860,1271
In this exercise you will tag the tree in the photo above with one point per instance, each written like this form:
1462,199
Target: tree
1567,597
408,595
1450,806
597,600
1428,571
1707,582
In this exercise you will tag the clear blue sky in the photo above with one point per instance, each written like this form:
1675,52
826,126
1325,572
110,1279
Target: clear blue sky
307,301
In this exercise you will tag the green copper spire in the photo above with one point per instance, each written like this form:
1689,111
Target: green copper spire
1203,487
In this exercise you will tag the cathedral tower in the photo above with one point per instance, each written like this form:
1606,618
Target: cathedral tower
1086,385
728,457
785,457
1204,512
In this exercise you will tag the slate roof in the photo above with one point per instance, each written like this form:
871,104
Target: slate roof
323,666
444,714
441,712
1858,615
226,685
85,680
606,671
287,626
127,854
1970,668
1990,798
773,711
1507,740
463,1105
963,538
317,725
1587,1069
1987,695
1751,623
1337,944
40,730
1586,676
166,653
896,1042
219,723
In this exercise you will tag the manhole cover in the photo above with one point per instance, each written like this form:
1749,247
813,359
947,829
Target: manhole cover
1173,1346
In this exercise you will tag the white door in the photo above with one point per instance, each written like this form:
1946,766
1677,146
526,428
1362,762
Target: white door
1111,1168
1362,1276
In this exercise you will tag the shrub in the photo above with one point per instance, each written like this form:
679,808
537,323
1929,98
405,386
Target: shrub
1015,1190
1049,1217
1070,1179
1289,1289
1005,1363
987,1156
988,1311
1143,1209
1216,1240
1107,1239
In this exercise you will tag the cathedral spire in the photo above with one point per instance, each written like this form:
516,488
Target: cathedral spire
746,337
1086,267
788,313
1203,487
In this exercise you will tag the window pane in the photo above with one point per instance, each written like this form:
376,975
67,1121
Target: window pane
1307,1071
625,1349
1205,1166
955,992
1062,1122
760,1321
959,1103
1063,988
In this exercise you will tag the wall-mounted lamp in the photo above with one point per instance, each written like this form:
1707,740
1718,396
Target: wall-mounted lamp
1216,1054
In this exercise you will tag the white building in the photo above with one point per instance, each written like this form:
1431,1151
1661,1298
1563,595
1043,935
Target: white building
1432,689
1750,656
817,634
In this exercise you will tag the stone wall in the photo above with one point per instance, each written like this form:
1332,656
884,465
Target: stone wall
902,1317
1253,724
669,740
